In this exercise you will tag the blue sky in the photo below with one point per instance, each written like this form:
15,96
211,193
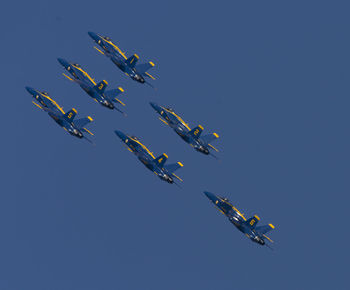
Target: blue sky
270,77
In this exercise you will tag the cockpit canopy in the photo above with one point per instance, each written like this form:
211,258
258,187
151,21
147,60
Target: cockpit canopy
170,109
75,64
106,38
45,93
134,137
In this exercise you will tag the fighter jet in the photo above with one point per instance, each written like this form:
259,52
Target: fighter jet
96,91
157,165
65,120
246,226
137,72
192,137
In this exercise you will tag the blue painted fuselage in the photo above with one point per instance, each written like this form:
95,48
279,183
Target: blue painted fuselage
237,218
47,104
145,156
83,79
116,56
180,127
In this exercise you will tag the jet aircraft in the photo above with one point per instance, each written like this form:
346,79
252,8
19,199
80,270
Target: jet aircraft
65,120
137,72
192,137
246,226
157,165
96,91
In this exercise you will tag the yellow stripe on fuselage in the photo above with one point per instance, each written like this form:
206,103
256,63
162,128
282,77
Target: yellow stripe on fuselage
53,102
116,47
234,208
143,146
84,73
179,118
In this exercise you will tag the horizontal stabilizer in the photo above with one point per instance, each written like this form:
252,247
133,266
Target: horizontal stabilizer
173,167
87,131
196,132
132,60
264,229
209,138
252,222
142,68
160,161
80,123
70,115
112,94
101,86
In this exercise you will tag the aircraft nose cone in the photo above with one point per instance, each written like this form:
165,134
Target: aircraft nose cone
63,62
93,35
156,107
31,90
120,134
210,195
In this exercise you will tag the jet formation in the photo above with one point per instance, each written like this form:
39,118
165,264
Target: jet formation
108,99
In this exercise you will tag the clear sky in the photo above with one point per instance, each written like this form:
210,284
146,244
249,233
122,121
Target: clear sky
270,77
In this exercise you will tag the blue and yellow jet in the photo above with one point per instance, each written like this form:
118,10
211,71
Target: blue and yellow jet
65,120
246,226
137,72
96,91
192,137
157,165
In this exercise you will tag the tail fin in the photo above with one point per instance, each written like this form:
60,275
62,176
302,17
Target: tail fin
142,68
173,167
132,60
70,115
161,160
264,229
196,132
210,137
80,123
252,221
101,86
112,94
